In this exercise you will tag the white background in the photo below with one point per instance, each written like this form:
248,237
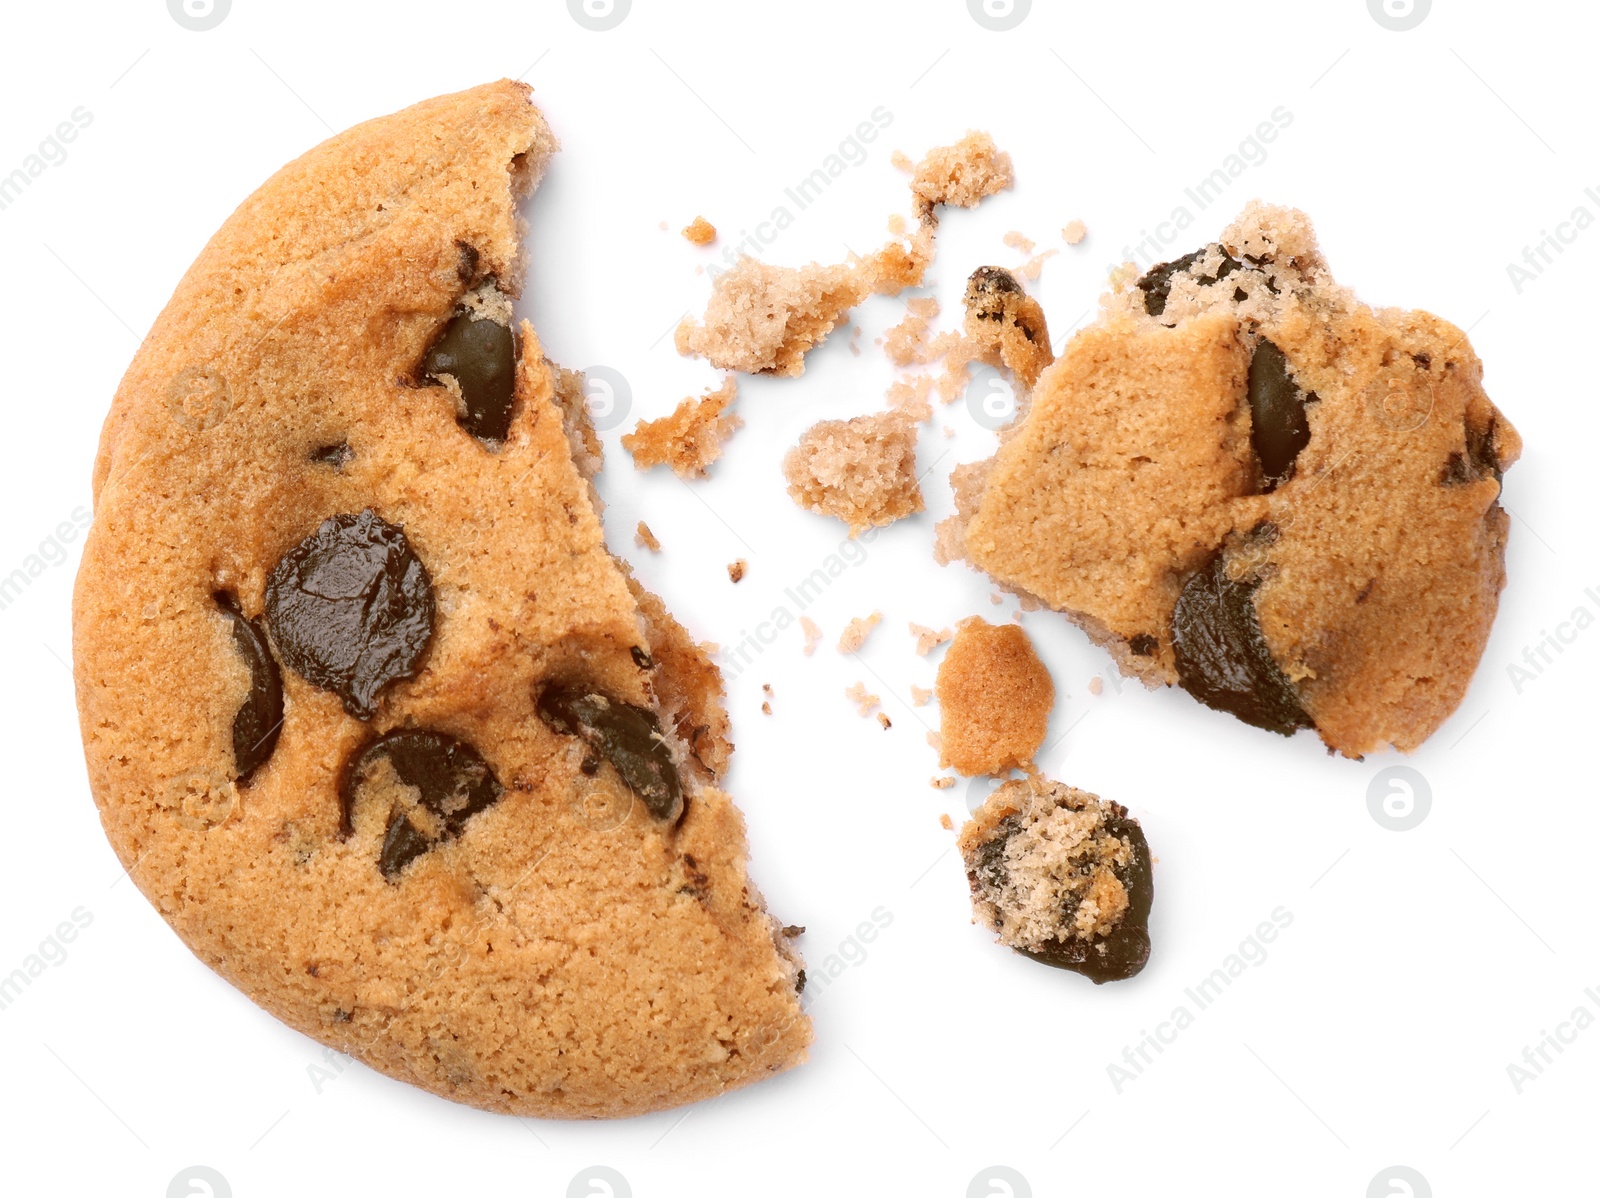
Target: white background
1418,965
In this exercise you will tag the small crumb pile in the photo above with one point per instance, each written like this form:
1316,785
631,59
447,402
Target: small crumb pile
764,319
995,697
856,632
862,471
961,174
928,639
864,701
766,704
700,231
907,342
812,632
690,439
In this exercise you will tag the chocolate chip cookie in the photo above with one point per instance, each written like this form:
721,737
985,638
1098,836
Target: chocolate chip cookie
371,714
1247,482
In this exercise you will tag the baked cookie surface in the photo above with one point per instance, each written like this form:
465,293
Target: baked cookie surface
370,713
1245,481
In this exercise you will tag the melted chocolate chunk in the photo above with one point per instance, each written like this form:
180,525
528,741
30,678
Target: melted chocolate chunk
350,609
628,737
1278,426
260,717
1480,448
1123,953
1143,645
1223,659
1157,281
466,262
480,354
642,659
453,783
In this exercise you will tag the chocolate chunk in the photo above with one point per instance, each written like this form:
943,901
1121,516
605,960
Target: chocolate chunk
402,844
628,737
336,455
1278,426
1157,281
466,262
260,717
480,354
350,609
1480,448
452,781
987,288
1143,645
1123,953
1222,658
642,659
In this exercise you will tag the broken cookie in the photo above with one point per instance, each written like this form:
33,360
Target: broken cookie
1245,481
862,471
1061,876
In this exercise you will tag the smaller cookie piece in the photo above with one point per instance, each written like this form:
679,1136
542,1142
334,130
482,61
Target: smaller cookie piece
690,439
862,471
1007,324
1061,876
995,697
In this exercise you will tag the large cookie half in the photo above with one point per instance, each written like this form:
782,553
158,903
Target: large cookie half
1243,480
370,713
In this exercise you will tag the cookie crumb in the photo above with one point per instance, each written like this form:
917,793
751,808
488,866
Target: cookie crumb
944,816
1034,266
856,632
861,471
864,701
1017,241
927,639
933,739
813,634
943,782
995,697
902,162
920,695
700,231
884,720
645,539
690,439
1006,325
897,222
1073,232
736,570
766,689
961,174
766,708
1096,685
996,598
907,342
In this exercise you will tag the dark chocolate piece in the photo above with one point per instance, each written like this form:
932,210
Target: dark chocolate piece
1278,426
350,609
480,354
452,780
628,737
1223,659
1123,953
259,720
